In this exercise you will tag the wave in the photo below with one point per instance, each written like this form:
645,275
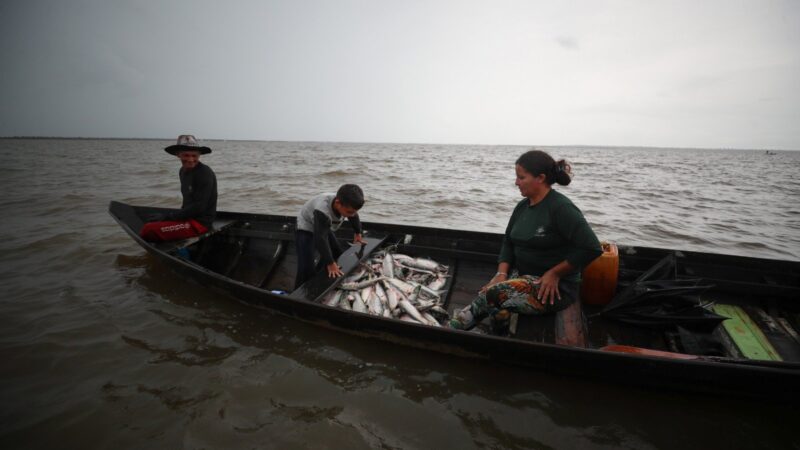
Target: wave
335,174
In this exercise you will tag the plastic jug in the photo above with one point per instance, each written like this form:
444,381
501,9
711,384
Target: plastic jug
600,277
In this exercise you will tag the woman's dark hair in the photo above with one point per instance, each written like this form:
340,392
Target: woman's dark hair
537,162
351,195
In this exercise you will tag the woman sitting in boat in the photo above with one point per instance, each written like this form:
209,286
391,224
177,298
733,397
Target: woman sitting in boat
546,245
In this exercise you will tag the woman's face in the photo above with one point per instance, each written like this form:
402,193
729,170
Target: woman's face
529,185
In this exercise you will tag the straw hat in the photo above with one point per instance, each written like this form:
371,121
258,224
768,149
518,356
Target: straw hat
187,142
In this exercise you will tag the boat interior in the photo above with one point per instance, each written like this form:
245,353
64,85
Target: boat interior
759,296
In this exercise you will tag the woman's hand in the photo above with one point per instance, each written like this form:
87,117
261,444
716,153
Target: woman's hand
548,289
334,270
499,277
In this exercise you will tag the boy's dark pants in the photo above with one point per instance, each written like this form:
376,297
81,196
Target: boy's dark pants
304,243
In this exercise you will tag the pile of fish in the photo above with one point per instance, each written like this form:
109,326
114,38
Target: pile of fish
395,285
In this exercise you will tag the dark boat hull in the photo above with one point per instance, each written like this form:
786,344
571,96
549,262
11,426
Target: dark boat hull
777,381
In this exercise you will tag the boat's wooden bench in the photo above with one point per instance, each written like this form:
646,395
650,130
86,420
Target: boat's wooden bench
216,226
566,327
755,334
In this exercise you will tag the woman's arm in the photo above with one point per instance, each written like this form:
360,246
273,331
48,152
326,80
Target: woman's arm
506,258
499,277
584,245
584,248
507,248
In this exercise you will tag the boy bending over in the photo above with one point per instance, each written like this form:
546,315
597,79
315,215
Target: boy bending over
316,223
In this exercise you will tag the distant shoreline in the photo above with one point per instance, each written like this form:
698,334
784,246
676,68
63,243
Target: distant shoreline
89,138
765,150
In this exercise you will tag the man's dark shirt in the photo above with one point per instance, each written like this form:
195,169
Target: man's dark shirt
199,190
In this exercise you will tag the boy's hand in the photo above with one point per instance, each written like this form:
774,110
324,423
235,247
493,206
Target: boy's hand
357,239
334,270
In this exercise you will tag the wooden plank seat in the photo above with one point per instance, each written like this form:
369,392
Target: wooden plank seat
565,327
746,334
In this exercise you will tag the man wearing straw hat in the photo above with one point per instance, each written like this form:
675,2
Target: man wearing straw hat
199,190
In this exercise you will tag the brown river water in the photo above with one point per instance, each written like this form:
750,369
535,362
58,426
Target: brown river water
104,347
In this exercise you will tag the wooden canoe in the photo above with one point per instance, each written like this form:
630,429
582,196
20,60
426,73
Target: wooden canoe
251,257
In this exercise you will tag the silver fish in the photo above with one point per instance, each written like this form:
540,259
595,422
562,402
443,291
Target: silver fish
355,275
424,305
395,285
416,269
427,264
345,302
356,286
408,318
438,311
428,291
388,266
411,311
358,303
402,286
415,294
333,298
402,258
366,292
381,294
391,296
431,320
438,283
374,305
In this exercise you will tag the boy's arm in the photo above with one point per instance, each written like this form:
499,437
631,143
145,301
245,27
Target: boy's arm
322,226
356,223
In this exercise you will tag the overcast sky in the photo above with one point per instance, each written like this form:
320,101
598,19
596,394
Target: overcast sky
652,73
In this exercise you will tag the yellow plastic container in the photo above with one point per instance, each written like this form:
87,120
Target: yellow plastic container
600,277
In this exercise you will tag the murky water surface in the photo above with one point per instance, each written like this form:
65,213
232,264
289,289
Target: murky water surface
103,347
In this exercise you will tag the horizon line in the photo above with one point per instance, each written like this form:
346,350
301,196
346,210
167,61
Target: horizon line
402,143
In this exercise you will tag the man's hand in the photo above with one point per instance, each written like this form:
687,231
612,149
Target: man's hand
357,239
334,270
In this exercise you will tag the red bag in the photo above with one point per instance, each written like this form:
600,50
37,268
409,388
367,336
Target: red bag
170,230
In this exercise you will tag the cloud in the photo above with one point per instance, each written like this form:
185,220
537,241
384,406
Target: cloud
598,72
568,42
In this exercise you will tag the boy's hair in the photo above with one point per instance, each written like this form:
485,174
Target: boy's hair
351,195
